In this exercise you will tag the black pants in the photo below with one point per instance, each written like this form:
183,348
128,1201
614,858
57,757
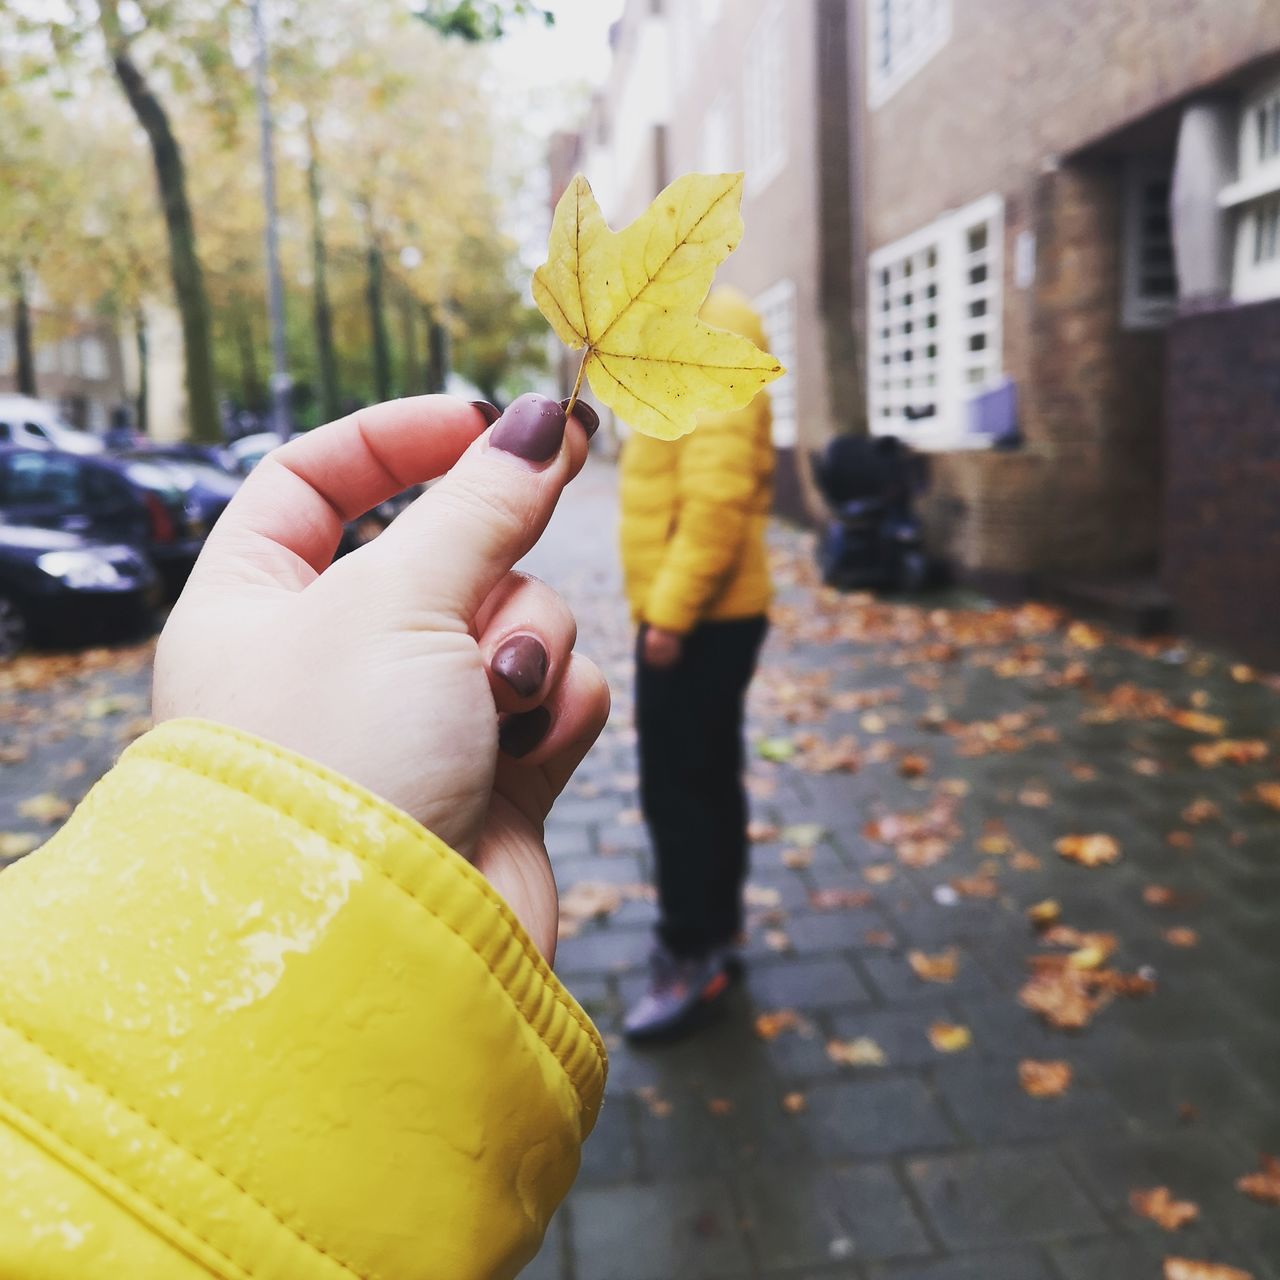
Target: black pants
689,720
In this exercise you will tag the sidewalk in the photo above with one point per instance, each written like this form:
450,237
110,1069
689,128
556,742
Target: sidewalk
979,741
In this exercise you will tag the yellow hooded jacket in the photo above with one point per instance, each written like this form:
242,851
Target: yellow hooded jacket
695,510
255,1022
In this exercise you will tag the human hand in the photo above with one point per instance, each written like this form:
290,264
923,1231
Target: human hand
661,648
391,665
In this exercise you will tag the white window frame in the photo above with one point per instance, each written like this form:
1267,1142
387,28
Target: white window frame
953,366
1141,310
776,307
1252,196
766,99
929,24
717,145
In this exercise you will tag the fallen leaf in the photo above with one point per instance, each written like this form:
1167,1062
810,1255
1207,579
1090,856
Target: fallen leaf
1089,851
762,832
1269,794
1265,1184
658,1106
110,705
794,1104
1198,722
1208,755
720,1106
630,818
797,859
949,1037
879,873
805,834
873,722
976,886
1146,766
45,807
1179,839
769,1026
1035,797
1024,861
13,844
779,750
1083,772
1061,997
1044,1078
777,940
839,899
761,897
12,753
1043,914
1201,809
1159,1205
913,765
71,770
1181,936
860,1052
934,968
631,299
1187,1269
878,938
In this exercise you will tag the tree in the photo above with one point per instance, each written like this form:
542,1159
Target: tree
478,20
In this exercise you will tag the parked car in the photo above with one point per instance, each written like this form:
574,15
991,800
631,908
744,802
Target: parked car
206,485
139,504
36,425
55,585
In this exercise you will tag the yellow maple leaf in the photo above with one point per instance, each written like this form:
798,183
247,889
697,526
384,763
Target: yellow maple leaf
631,298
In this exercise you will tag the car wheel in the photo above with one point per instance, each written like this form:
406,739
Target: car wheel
13,629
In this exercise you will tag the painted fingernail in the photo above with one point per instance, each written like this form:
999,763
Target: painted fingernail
522,662
520,733
532,428
587,417
489,412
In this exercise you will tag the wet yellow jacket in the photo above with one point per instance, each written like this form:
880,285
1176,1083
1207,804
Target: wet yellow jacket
255,1022
695,510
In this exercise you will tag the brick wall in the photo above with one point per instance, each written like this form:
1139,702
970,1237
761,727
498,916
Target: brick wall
1222,508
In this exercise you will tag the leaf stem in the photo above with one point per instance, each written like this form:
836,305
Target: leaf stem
577,386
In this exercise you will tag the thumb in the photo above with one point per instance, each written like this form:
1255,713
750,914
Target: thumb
462,537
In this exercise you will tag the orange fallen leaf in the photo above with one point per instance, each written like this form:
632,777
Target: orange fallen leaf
45,807
1044,1078
878,938
1083,772
794,1103
1024,861
1043,914
1035,797
859,1052
657,1105
927,851
13,844
1179,840
879,873
1198,722
762,832
1201,809
913,766
839,899
1269,794
1181,936
1188,1269
720,1106
777,940
769,1026
1083,636
1089,851
1158,1204
1265,1184
797,859
12,753
978,886
1146,767
949,1037
1208,755
1061,997
761,897
934,968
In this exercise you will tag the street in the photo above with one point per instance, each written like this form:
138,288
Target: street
1012,956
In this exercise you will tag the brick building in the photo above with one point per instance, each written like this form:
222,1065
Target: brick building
1073,224
763,86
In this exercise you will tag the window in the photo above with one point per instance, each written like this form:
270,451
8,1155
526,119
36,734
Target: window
777,310
35,479
934,325
1255,198
903,36
93,357
765,99
1150,275
717,137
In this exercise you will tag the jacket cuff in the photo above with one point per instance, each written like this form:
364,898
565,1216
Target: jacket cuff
303,1036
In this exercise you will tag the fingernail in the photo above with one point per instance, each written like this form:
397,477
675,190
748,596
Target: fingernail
532,428
522,663
520,733
587,417
489,412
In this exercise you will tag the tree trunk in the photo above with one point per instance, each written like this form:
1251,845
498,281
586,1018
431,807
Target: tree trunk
184,265
437,354
252,393
326,356
409,341
22,334
378,324
140,415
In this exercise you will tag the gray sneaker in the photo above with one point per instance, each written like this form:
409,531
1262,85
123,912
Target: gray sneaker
681,990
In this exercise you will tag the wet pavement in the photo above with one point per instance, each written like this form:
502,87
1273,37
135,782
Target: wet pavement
858,1108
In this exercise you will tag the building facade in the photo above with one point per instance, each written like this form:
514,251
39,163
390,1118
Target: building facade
1072,291
762,86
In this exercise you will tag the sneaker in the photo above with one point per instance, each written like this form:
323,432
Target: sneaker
681,990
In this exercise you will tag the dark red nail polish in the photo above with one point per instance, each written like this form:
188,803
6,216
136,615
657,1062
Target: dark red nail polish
522,662
489,412
532,428
587,417
519,734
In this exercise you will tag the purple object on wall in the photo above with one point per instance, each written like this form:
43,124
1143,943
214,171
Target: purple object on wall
994,413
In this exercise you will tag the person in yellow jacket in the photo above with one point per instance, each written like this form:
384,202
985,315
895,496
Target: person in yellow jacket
276,1001
694,516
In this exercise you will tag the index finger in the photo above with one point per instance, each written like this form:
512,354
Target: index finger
285,523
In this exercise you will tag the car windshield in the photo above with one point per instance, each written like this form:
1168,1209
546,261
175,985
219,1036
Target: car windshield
159,477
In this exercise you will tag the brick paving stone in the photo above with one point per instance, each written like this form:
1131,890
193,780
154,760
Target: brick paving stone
805,983
878,1116
686,1228
895,982
997,1197
1015,1264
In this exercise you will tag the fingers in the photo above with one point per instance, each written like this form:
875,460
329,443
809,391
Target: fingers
564,726
458,541
284,524
526,633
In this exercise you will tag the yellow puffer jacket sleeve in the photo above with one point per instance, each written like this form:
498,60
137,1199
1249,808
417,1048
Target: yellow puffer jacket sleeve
257,1023
722,495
